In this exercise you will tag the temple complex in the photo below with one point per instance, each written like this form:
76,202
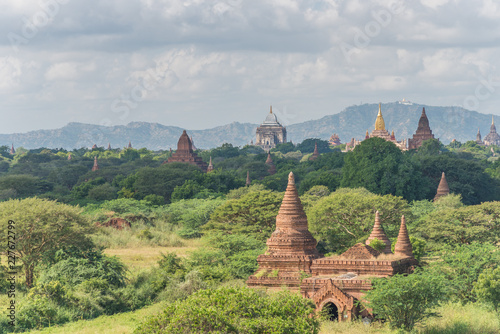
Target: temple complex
353,143
270,164
335,140
96,166
186,154
492,138
270,132
315,154
443,188
381,132
423,132
336,282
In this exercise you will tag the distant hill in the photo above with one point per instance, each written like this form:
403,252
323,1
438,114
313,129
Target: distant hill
446,123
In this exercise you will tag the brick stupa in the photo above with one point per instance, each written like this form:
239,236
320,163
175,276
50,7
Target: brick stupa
270,164
186,154
210,166
423,132
96,166
379,233
315,154
403,245
443,188
290,249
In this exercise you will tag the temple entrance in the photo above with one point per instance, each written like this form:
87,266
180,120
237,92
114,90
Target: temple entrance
330,312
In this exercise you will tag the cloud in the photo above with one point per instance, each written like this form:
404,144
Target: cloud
197,64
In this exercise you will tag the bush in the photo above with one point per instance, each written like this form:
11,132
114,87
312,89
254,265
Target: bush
235,310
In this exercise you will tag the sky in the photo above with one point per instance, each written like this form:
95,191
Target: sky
197,64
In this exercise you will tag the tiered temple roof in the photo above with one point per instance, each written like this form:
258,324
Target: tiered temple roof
492,138
403,245
186,154
379,233
270,132
381,132
291,248
423,132
335,140
443,188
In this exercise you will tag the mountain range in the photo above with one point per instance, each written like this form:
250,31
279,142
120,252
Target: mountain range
447,123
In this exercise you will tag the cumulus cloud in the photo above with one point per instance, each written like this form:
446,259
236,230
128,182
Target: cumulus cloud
197,64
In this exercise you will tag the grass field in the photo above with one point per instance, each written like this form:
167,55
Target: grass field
121,323
146,257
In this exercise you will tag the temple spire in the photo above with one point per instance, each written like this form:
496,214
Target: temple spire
69,156
248,181
379,123
367,136
379,233
210,166
315,154
443,188
96,166
12,150
403,245
271,110
129,144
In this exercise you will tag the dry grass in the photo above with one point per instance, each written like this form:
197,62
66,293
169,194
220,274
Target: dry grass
147,256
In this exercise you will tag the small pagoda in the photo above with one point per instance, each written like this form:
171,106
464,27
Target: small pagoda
270,164
186,154
423,132
443,188
315,154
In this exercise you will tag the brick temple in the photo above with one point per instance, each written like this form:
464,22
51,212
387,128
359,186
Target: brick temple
334,282
185,153
423,132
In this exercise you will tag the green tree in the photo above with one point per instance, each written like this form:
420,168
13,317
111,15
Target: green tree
463,225
379,166
405,300
346,216
232,310
253,214
487,287
461,266
163,180
284,148
41,227
307,146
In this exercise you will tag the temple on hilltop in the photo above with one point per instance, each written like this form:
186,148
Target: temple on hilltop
492,138
335,140
423,132
186,154
381,132
336,282
443,188
270,132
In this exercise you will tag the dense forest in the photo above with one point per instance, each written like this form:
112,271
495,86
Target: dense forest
207,230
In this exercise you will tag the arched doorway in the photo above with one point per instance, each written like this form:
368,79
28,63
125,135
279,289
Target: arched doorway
330,312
